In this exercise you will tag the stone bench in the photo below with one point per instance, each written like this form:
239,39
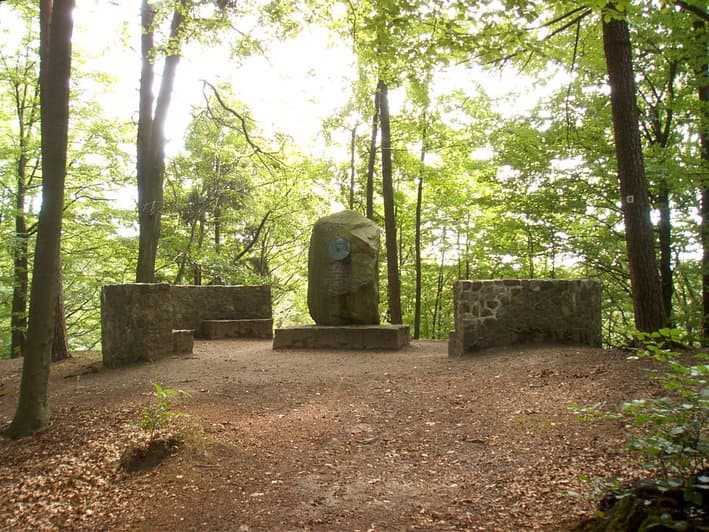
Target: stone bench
148,321
251,328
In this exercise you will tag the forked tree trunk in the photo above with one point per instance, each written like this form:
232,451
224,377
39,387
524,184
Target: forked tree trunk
151,136
389,211
55,69
644,278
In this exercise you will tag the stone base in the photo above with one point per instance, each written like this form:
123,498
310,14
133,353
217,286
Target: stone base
257,328
353,337
182,341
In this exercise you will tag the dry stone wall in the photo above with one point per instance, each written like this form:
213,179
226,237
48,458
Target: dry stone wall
143,322
517,311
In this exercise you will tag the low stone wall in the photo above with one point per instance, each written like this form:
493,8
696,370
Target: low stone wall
516,311
143,322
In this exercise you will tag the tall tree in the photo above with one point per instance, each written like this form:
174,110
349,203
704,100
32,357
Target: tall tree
151,133
394,284
647,297
56,25
24,88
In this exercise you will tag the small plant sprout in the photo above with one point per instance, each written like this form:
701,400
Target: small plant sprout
159,413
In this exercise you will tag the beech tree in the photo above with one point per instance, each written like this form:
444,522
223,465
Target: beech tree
56,25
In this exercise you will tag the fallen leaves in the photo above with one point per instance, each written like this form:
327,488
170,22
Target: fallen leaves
423,445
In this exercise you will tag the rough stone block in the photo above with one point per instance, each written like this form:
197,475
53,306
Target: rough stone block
182,341
343,268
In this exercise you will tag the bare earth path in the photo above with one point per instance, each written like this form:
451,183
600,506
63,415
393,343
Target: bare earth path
312,440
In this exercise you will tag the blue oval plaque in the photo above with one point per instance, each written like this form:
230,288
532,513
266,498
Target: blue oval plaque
338,249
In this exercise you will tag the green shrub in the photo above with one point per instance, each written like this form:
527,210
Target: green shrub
668,432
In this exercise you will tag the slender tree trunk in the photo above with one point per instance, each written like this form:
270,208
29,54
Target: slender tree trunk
703,93
657,133
372,155
217,229
645,281
26,101
389,210
20,252
151,137
665,234
55,52
60,342
439,288
353,166
417,236
186,255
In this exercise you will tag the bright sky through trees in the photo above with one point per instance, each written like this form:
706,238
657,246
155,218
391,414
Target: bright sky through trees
292,89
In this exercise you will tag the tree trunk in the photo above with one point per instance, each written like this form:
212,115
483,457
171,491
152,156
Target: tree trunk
151,137
644,278
27,106
20,251
665,234
55,69
217,229
703,93
417,236
353,166
372,154
439,289
60,342
389,213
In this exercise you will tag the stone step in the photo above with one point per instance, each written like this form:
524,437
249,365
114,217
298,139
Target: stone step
348,337
255,328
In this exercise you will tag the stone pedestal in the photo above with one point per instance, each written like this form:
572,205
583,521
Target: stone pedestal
351,337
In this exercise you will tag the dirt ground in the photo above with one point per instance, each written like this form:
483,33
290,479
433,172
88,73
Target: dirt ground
316,440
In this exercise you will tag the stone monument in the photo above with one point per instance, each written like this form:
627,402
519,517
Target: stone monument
343,266
343,289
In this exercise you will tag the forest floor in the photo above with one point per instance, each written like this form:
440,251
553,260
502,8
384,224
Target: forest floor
314,440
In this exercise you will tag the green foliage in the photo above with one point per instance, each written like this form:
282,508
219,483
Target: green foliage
670,432
159,414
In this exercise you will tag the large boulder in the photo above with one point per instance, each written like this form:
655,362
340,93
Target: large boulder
343,272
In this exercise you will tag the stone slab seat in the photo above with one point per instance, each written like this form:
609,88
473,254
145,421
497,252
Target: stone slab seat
351,337
245,328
